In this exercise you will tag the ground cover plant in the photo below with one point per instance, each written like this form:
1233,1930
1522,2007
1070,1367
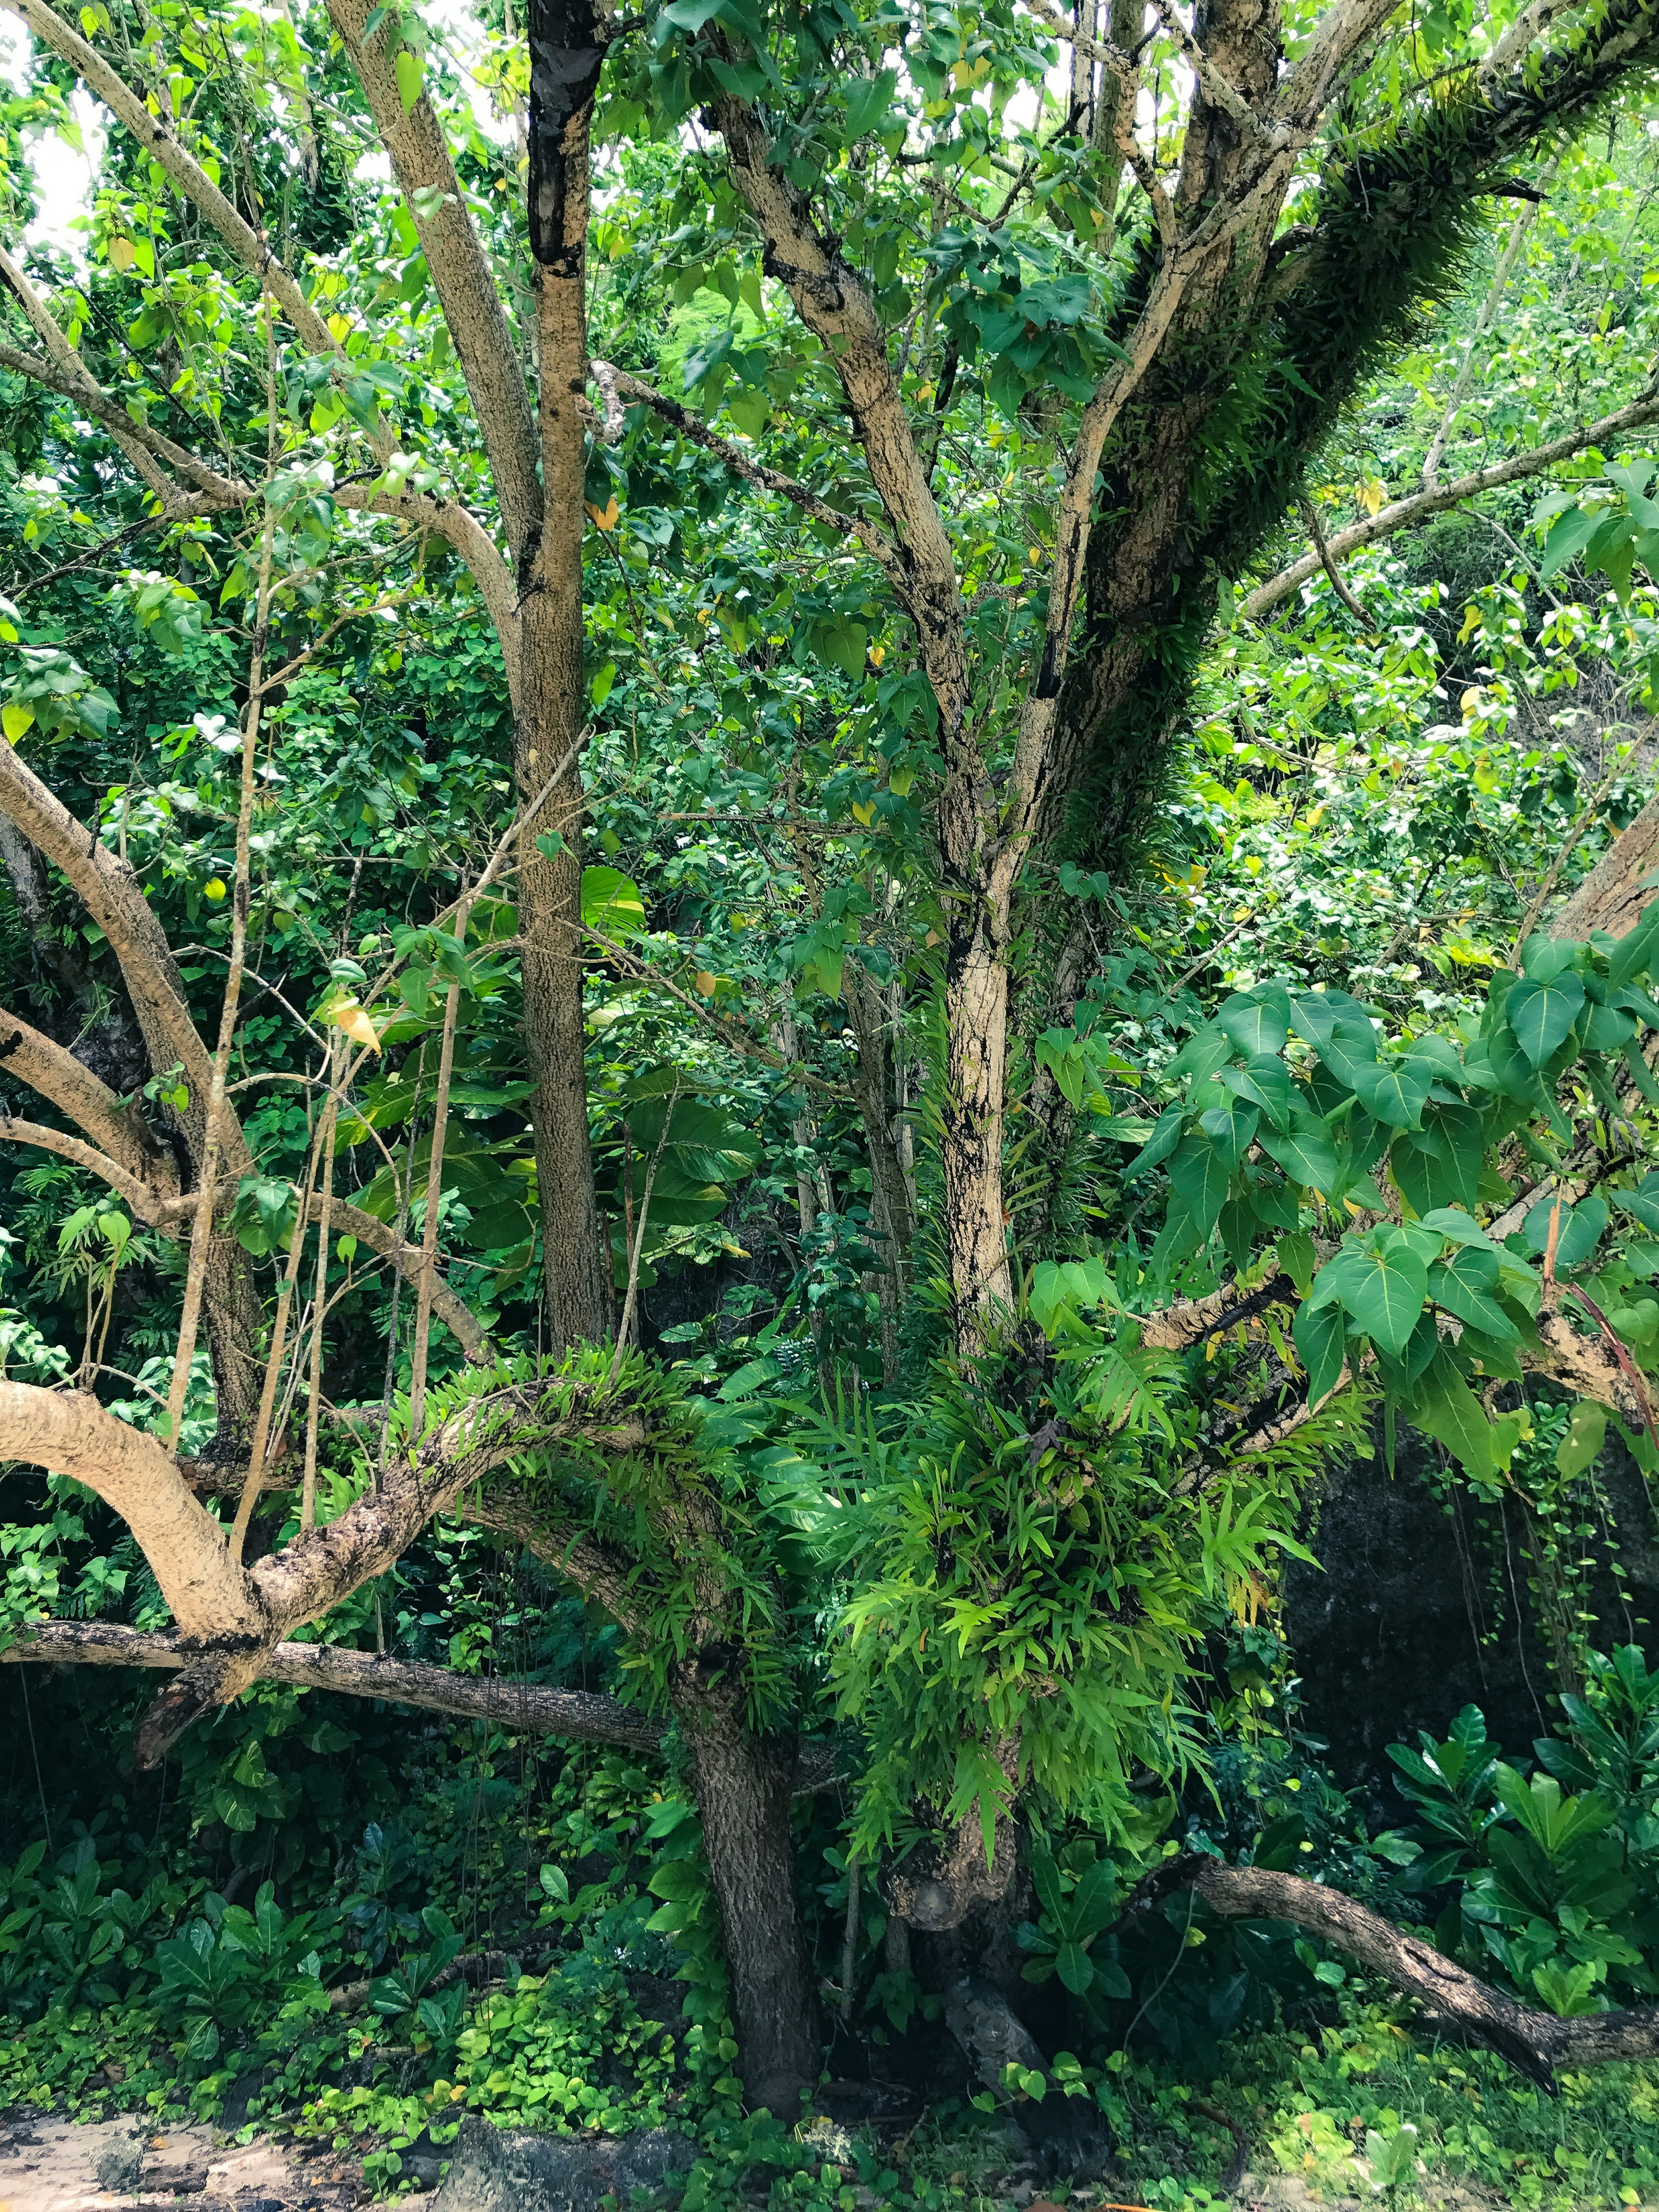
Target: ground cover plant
823,828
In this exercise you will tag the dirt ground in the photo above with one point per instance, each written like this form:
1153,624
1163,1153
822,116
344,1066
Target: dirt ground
50,2165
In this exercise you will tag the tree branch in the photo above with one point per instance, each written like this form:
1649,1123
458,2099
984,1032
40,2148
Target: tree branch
75,1091
528,1707
836,306
1539,2043
68,1433
689,426
1400,514
461,274
250,247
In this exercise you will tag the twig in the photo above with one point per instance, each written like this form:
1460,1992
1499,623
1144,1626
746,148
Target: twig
202,1229
633,1257
1310,516
319,1308
1541,897
849,1942
434,1166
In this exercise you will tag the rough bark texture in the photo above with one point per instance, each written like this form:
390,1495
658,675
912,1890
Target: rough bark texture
743,1785
461,274
889,1195
1617,890
960,1880
1538,2042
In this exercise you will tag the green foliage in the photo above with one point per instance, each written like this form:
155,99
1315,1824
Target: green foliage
1557,1873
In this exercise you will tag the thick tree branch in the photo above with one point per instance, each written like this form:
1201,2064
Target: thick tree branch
528,1707
1539,2043
68,1433
213,490
141,1198
110,891
79,381
76,1092
460,528
1618,889
1401,513
836,306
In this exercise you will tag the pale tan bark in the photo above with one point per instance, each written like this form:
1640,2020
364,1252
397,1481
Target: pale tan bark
1616,893
110,891
68,1433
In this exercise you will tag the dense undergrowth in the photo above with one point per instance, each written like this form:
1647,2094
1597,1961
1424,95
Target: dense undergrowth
525,1932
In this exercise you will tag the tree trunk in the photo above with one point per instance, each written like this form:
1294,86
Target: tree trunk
975,1235
566,56
1616,891
743,1783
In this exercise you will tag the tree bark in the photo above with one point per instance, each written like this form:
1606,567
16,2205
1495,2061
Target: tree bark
743,1785
566,55
977,1070
1616,891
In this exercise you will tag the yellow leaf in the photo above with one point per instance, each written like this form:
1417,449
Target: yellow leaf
877,654
1370,491
122,253
608,520
14,719
213,889
864,811
346,1014
1316,817
340,328
1241,914
706,983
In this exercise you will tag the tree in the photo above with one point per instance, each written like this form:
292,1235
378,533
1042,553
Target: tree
1158,376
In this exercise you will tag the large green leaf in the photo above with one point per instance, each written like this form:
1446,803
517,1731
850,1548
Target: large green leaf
1231,1130
1541,1012
1256,1022
1266,1082
1159,1146
1443,1407
1395,1091
1318,1336
1304,1151
1199,1174
1383,1288
1580,1231
612,904
1463,1284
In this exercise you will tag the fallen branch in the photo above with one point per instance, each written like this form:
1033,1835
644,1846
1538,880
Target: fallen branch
1539,2043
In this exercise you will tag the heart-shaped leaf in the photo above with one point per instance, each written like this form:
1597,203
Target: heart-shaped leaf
1540,1012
